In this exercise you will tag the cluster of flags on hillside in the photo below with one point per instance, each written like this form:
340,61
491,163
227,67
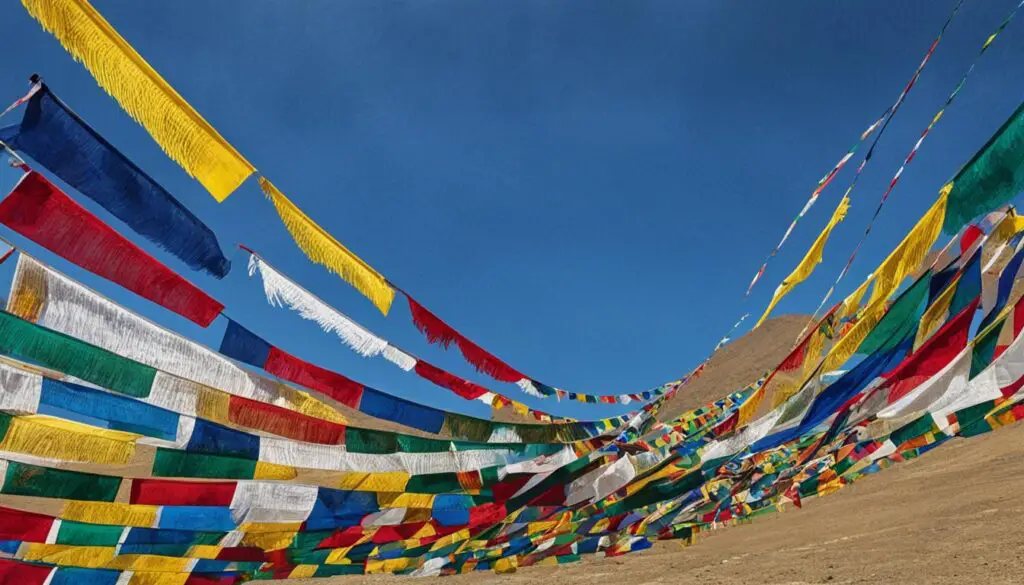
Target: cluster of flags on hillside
164,461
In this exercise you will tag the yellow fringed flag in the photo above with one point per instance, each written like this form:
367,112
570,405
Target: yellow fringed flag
749,408
303,572
903,260
135,515
1009,225
322,248
505,565
790,383
851,304
848,344
811,259
910,253
157,578
179,130
55,438
935,315
87,557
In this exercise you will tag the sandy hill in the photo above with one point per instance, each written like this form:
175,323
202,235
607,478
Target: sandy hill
736,365
740,363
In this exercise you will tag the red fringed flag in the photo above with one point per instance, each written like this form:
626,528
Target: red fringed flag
795,359
441,333
463,388
20,525
931,357
333,384
41,212
162,492
23,573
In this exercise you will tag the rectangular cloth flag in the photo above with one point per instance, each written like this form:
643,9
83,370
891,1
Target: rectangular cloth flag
41,212
993,176
179,130
810,260
323,249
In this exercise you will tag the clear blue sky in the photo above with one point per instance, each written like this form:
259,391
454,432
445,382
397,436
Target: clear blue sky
584,187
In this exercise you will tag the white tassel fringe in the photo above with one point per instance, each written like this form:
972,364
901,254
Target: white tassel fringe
283,292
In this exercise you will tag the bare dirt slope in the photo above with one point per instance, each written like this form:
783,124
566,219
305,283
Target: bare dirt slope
953,516
740,363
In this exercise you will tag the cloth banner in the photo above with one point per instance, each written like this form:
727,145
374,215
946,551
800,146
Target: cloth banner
323,249
41,212
993,176
179,130
810,260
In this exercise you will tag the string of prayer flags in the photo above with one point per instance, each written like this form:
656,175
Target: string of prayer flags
282,291
245,346
241,454
883,123
824,182
438,332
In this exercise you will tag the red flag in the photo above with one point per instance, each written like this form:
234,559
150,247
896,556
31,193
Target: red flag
931,357
41,212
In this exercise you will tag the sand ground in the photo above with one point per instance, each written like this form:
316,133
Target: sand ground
953,516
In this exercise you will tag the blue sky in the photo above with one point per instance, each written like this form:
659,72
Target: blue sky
583,187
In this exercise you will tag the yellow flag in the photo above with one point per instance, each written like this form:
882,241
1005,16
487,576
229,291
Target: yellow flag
55,438
1010,225
811,259
935,315
179,130
747,410
139,516
322,248
851,304
910,253
903,260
